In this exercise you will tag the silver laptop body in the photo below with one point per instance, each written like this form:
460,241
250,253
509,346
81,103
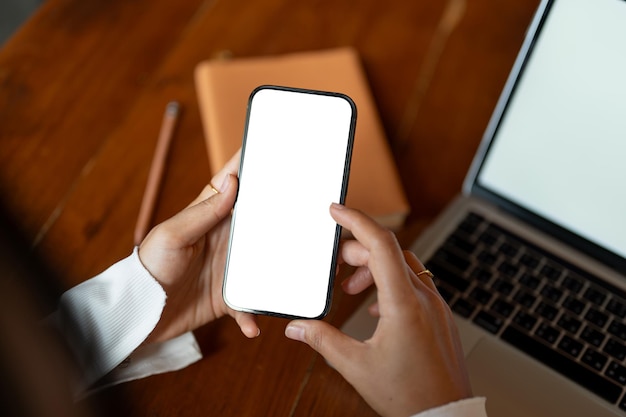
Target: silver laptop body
532,255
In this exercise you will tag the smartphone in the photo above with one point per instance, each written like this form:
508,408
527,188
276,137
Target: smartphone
295,162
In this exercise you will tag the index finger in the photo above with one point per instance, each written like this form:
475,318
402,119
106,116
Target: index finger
197,219
230,168
386,259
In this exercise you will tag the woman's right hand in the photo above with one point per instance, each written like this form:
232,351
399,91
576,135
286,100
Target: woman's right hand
414,360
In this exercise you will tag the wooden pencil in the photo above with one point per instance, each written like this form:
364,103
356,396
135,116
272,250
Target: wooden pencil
155,175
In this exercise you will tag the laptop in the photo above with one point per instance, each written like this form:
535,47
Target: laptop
531,256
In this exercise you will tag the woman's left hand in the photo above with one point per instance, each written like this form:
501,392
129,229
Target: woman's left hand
186,254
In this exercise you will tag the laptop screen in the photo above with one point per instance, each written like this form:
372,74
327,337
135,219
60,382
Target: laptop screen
559,149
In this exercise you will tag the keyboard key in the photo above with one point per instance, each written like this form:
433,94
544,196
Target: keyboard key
508,269
529,281
551,293
570,346
615,349
487,258
525,298
617,307
596,317
618,329
574,305
595,295
502,307
488,237
447,257
572,284
445,274
489,322
525,320
480,295
503,286
566,366
460,242
569,323
594,359
547,311
471,223
509,249
547,333
622,403
616,372
530,260
463,307
552,272
592,336
481,274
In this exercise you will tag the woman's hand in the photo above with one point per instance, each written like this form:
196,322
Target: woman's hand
187,255
414,360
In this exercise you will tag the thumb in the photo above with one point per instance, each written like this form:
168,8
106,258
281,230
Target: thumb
327,340
198,219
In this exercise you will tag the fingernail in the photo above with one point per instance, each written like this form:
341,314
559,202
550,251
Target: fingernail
251,333
338,206
294,332
225,183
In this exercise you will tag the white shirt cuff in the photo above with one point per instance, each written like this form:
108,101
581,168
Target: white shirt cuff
154,358
108,317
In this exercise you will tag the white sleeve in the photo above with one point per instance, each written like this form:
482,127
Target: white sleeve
469,407
105,319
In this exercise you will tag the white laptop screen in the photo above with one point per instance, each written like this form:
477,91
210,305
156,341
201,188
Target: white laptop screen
560,149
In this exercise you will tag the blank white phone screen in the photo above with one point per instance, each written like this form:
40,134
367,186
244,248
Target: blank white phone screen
283,242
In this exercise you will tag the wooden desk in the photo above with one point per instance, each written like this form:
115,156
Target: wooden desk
83,87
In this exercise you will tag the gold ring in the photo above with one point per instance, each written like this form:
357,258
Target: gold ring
213,188
426,272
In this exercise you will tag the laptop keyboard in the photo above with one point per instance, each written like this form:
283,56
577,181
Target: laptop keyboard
562,316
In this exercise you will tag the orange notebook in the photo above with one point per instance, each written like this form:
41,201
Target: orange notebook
223,87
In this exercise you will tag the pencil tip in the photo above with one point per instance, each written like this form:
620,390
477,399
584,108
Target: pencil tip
172,107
